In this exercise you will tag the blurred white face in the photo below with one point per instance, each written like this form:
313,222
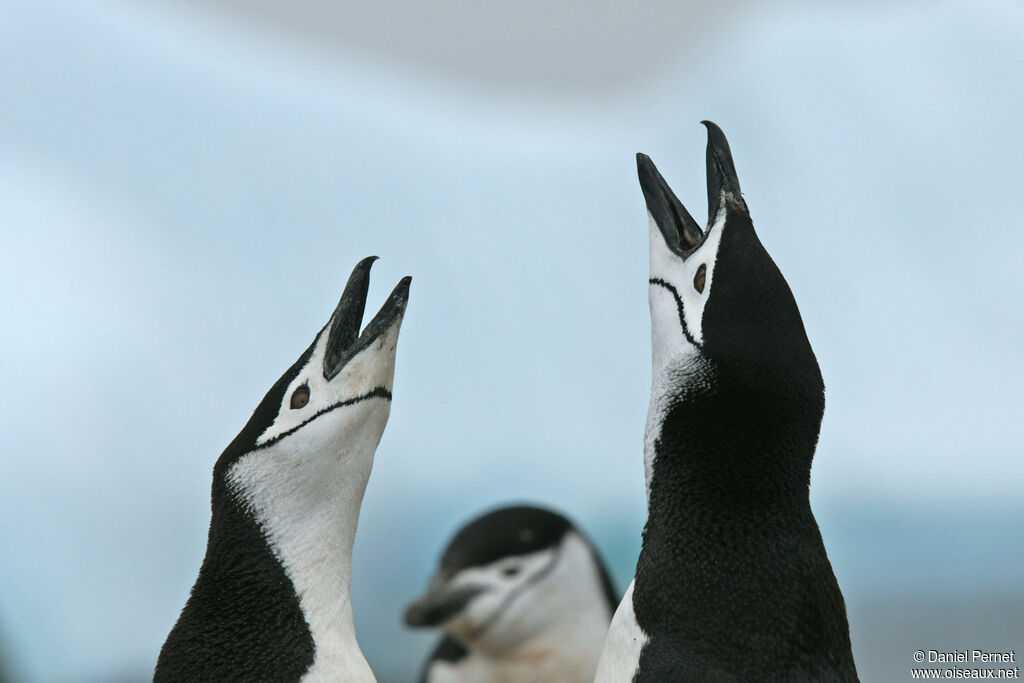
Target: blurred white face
524,596
496,615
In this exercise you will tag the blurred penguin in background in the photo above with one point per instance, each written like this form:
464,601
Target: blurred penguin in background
521,595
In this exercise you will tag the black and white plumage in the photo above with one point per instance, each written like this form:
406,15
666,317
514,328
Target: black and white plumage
733,582
272,599
522,596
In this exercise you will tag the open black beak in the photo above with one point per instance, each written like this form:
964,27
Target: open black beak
722,179
439,605
682,234
344,340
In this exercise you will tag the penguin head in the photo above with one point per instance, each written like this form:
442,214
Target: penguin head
314,434
717,298
512,576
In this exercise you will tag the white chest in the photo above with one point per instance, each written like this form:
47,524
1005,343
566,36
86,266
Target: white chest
621,655
306,491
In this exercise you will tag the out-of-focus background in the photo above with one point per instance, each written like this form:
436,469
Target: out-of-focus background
184,188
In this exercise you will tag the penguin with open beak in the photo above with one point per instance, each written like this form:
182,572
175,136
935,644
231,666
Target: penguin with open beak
272,600
733,582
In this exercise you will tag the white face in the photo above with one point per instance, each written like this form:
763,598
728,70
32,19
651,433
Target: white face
676,299
527,597
319,455
372,368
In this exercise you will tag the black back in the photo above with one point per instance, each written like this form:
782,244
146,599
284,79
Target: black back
733,582
243,620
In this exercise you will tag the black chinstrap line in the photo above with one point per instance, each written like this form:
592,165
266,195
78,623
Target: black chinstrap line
679,306
378,392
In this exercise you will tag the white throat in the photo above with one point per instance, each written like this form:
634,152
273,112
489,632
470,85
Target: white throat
305,491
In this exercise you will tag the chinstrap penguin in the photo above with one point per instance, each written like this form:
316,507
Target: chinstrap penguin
732,582
272,599
522,597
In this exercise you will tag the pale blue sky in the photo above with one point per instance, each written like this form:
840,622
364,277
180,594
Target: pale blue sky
182,200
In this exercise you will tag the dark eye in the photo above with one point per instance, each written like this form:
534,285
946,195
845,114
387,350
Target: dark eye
300,397
510,571
698,279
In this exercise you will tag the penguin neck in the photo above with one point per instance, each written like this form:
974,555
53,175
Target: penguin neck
311,535
241,583
730,539
721,443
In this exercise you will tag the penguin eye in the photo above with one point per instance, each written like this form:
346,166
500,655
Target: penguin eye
510,571
300,397
700,277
